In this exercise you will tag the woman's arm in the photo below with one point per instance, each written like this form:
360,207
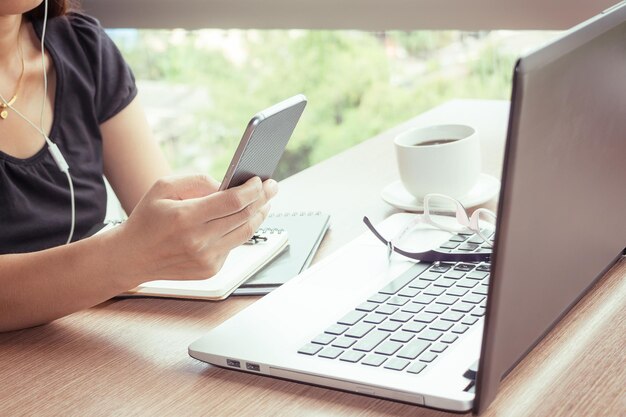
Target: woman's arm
182,228
132,158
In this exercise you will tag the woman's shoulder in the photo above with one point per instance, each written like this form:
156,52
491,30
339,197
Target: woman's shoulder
76,29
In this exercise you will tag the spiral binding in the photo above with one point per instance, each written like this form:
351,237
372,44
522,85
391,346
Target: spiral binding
259,236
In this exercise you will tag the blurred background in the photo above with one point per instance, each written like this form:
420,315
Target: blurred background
200,87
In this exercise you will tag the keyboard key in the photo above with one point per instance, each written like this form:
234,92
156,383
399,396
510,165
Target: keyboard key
406,277
359,330
458,238
434,290
336,329
477,275
423,299
452,316
457,292
409,292
476,239
428,357
463,307
351,356
468,247
430,335
416,368
402,337
484,267
474,298
413,349
446,299
370,341
375,318
449,245
374,360
419,284
330,352
386,309
323,339
344,342
351,318
388,348
467,283
310,349
439,267
429,276
459,328
413,327
436,308
438,347
466,233
469,320
396,364
463,267
390,326
378,298
448,338
479,312
413,308
454,274
425,317
398,301
445,282
367,306
401,316
481,290
442,326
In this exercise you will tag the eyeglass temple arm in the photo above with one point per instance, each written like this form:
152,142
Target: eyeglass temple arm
431,255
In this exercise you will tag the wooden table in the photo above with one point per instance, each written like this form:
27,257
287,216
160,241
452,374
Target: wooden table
129,357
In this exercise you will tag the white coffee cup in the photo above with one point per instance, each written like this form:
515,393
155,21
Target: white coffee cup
441,159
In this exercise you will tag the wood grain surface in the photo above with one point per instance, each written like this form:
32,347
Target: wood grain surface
128,357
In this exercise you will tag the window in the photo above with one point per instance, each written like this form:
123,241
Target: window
201,87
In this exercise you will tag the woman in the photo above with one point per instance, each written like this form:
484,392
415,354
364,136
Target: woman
178,228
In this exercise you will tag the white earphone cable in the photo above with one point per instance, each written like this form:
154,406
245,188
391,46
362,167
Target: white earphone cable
52,147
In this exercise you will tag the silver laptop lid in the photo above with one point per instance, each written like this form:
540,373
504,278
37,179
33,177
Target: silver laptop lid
562,210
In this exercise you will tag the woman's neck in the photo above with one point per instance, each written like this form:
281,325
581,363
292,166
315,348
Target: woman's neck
9,35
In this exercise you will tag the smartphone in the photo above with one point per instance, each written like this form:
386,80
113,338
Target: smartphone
264,141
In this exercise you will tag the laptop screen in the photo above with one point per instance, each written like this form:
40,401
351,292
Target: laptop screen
562,212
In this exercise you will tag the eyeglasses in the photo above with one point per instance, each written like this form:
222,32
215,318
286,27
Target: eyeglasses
433,203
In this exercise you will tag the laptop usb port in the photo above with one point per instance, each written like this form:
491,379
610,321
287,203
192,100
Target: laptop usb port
253,367
233,363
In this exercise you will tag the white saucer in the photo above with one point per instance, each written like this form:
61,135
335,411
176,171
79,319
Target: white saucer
484,190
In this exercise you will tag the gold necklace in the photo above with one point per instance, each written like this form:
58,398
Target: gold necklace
4,105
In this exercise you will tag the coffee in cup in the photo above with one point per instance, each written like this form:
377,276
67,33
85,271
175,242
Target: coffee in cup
442,159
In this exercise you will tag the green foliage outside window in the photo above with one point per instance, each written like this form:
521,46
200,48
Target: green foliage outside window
358,85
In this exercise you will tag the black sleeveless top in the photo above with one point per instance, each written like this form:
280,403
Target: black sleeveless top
93,83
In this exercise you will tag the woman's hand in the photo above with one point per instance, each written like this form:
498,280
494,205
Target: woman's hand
183,228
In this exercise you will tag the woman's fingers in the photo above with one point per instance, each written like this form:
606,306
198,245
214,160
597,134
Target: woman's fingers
244,232
219,228
185,187
224,204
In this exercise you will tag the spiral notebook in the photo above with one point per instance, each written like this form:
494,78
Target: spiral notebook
306,231
241,263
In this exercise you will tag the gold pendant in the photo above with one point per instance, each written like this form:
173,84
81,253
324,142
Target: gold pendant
3,106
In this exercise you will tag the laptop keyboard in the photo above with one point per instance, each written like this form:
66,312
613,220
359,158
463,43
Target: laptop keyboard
412,320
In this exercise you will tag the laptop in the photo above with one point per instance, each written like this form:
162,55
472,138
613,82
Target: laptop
443,335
